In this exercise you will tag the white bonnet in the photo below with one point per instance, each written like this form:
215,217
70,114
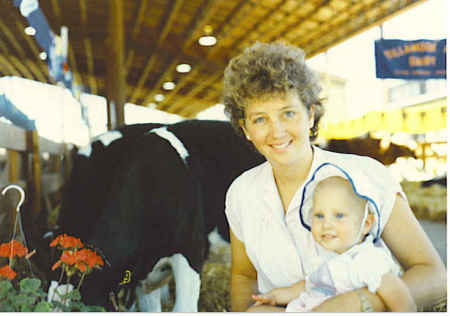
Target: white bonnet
361,185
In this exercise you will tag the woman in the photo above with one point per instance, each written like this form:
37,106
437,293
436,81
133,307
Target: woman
272,99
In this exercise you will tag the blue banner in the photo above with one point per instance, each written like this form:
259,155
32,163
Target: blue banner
418,59
13,114
47,40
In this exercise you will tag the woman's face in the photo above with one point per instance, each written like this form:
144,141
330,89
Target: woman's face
279,127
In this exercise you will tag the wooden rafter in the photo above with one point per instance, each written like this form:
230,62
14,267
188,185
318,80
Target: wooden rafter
297,24
91,78
357,29
5,60
191,95
222,30
83,12
41,70
9,67
90,64
175,106
57,11
135,33
200,17
19,65
173,12
19,50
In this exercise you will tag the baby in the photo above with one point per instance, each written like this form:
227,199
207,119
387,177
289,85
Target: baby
341,222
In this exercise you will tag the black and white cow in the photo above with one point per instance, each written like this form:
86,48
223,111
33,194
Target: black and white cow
166,192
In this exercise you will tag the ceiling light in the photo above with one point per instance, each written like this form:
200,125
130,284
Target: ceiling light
43,55
29,30
159,97
207,40
183,68
169,85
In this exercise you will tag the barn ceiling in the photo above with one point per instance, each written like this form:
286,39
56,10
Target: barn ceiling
161,34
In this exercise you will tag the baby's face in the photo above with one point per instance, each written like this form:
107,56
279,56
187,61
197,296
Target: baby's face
337,214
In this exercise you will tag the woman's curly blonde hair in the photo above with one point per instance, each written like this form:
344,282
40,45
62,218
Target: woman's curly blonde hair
264,70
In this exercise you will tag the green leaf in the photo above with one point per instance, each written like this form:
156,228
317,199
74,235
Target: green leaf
28,285
43,307
6,289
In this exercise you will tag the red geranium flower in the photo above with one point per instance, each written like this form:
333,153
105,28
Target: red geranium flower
90,258
13,248
66,241
69,257
7,272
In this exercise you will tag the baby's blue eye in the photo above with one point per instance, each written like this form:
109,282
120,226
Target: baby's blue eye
318,215
339,215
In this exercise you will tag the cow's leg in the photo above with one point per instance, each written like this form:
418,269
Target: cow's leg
150,302
187,284
151,289
165,294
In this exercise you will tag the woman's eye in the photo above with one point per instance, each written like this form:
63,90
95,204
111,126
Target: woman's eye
340,215
318,215
259,120
289,113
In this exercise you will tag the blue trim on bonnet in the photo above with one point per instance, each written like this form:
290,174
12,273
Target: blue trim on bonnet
354,189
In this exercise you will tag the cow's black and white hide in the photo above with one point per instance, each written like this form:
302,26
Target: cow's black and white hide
94,166
160,208
154,211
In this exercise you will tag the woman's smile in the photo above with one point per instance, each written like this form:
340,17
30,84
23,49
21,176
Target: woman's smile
278,127
281,147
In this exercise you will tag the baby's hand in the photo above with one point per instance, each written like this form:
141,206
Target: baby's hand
267,298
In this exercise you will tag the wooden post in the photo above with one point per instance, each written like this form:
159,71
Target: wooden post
13,166
115,82
34,179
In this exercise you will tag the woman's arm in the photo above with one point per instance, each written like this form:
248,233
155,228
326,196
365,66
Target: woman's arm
395,294
243,276
425,274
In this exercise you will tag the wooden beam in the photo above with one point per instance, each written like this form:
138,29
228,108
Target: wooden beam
57,12
297,24
24,70
13,166
34,180
359,29
115,85
35,70
9,67
166,103
180,103
83,12
135,33
191,111
13,41
90,64
173,11
174,107
42,71
202,15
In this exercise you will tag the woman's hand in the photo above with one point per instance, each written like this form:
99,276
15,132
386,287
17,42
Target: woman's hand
425,274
